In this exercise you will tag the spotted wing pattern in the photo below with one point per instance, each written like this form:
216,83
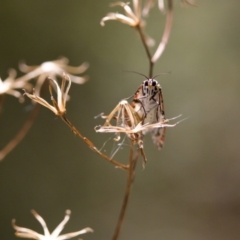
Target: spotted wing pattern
148,103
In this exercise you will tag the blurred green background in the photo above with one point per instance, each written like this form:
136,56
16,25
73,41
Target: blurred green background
190,189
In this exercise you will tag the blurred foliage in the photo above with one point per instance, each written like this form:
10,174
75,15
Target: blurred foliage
190,189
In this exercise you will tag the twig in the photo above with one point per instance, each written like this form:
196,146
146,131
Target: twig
139,29
131,170
166,33
92,146
21,133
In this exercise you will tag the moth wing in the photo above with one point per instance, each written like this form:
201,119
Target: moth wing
158,137
158,134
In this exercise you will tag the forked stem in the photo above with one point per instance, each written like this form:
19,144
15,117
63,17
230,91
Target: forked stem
130,177
92,146
162,45
21,133
166,33
151,63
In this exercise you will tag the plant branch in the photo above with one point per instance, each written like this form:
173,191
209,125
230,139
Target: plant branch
21,133
166,33
92,146
130,177
151,63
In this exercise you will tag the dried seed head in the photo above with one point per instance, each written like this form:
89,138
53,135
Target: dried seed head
59,105
55,235
122,119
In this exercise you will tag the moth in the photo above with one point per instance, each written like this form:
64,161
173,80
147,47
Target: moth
148,103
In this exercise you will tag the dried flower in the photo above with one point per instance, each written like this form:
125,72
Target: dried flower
150,3
11,84
125,120
128,121
28,233
46,69
132,17
53,69
59,106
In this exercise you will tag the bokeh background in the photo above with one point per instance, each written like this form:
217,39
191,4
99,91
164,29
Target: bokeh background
190,189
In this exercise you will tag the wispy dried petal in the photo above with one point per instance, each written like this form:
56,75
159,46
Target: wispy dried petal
53,69
139,128
127,10
137,8
132,17
25,232
119,17
149,4
74,234
62,224
59,106
125,118
41,101
11,84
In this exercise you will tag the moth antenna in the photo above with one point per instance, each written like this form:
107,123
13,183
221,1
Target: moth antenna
139,74
161,74
148,77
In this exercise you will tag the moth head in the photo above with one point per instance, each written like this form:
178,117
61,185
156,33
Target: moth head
150,86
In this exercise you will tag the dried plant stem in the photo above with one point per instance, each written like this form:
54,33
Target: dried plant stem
151,63
164,41
130,177
166,33
21,133
92,146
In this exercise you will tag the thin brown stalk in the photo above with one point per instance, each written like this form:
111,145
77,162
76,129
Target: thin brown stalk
130,177
21,133
144,41
92,146
166,33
